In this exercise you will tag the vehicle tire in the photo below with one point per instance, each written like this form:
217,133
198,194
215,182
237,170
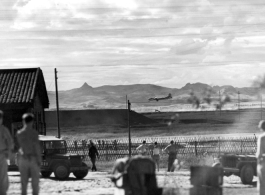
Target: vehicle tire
61,171
247,174
46,174
82,173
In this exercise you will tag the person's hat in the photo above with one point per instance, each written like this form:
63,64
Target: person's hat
28,117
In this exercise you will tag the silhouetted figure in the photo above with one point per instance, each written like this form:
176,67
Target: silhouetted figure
142,149
156,152
6,147
171,150
75,143
29,155
115,144
93,154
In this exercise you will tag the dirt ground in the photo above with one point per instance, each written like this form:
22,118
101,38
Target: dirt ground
99,183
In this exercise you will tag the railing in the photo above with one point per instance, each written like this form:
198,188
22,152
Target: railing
110,150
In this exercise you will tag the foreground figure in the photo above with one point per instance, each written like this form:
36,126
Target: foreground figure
29,155
261,159
93,154
171,150
6,146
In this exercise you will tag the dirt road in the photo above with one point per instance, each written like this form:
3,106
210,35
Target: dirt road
98,183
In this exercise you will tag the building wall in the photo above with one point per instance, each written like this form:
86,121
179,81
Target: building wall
38,112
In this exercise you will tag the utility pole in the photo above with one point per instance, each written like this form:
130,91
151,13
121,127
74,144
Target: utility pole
126,102
57,104
261,104
129,128
238,104
220,102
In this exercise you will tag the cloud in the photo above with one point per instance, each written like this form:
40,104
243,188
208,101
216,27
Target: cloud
163,42
189,46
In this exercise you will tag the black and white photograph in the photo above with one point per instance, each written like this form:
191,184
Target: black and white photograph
132,97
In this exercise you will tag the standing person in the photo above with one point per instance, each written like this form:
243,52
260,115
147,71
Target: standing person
261,159
171,150
142,149
156,155
6,147
29,154
93,153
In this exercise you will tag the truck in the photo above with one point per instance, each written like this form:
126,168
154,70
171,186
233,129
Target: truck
243,166
56,159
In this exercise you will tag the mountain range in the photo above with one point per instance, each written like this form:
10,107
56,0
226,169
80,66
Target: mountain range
107,96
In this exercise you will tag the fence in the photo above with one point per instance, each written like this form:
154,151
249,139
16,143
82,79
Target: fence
110,150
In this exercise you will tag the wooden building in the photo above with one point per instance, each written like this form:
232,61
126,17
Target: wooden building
21,91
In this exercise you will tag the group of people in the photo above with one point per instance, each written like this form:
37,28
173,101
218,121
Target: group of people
29,155
156,151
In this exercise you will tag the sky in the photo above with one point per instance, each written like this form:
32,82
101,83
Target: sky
119,42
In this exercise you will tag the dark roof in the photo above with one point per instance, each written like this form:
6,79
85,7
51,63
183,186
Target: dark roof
19,86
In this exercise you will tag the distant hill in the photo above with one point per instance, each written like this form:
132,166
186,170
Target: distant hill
108,96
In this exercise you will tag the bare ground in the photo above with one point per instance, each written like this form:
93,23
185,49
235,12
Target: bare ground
99,183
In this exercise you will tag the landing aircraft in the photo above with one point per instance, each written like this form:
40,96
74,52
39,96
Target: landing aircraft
161,98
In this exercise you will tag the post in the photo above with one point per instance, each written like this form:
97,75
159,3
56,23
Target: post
220,102
107,151
195,145
129,128
219,146
261,104
126,102
241,145
238,104
57,104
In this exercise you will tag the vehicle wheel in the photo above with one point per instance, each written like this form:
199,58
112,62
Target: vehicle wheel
46,173
82,173
61,171
247,174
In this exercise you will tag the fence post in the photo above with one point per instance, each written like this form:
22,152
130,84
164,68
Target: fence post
241,145
195,145
219,146
106,151
255,142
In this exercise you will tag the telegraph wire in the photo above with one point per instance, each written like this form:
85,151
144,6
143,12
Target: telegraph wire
125,29
152,7
178,65
242,33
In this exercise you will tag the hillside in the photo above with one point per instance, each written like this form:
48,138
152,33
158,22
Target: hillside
106,97
74,118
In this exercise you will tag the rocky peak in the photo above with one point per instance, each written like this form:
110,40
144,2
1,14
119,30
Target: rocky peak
85,86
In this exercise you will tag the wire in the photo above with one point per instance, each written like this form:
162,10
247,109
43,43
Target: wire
154,7
243,34
130,18
50,85
123,29
190,64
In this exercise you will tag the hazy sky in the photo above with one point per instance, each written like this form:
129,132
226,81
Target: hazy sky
111,42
